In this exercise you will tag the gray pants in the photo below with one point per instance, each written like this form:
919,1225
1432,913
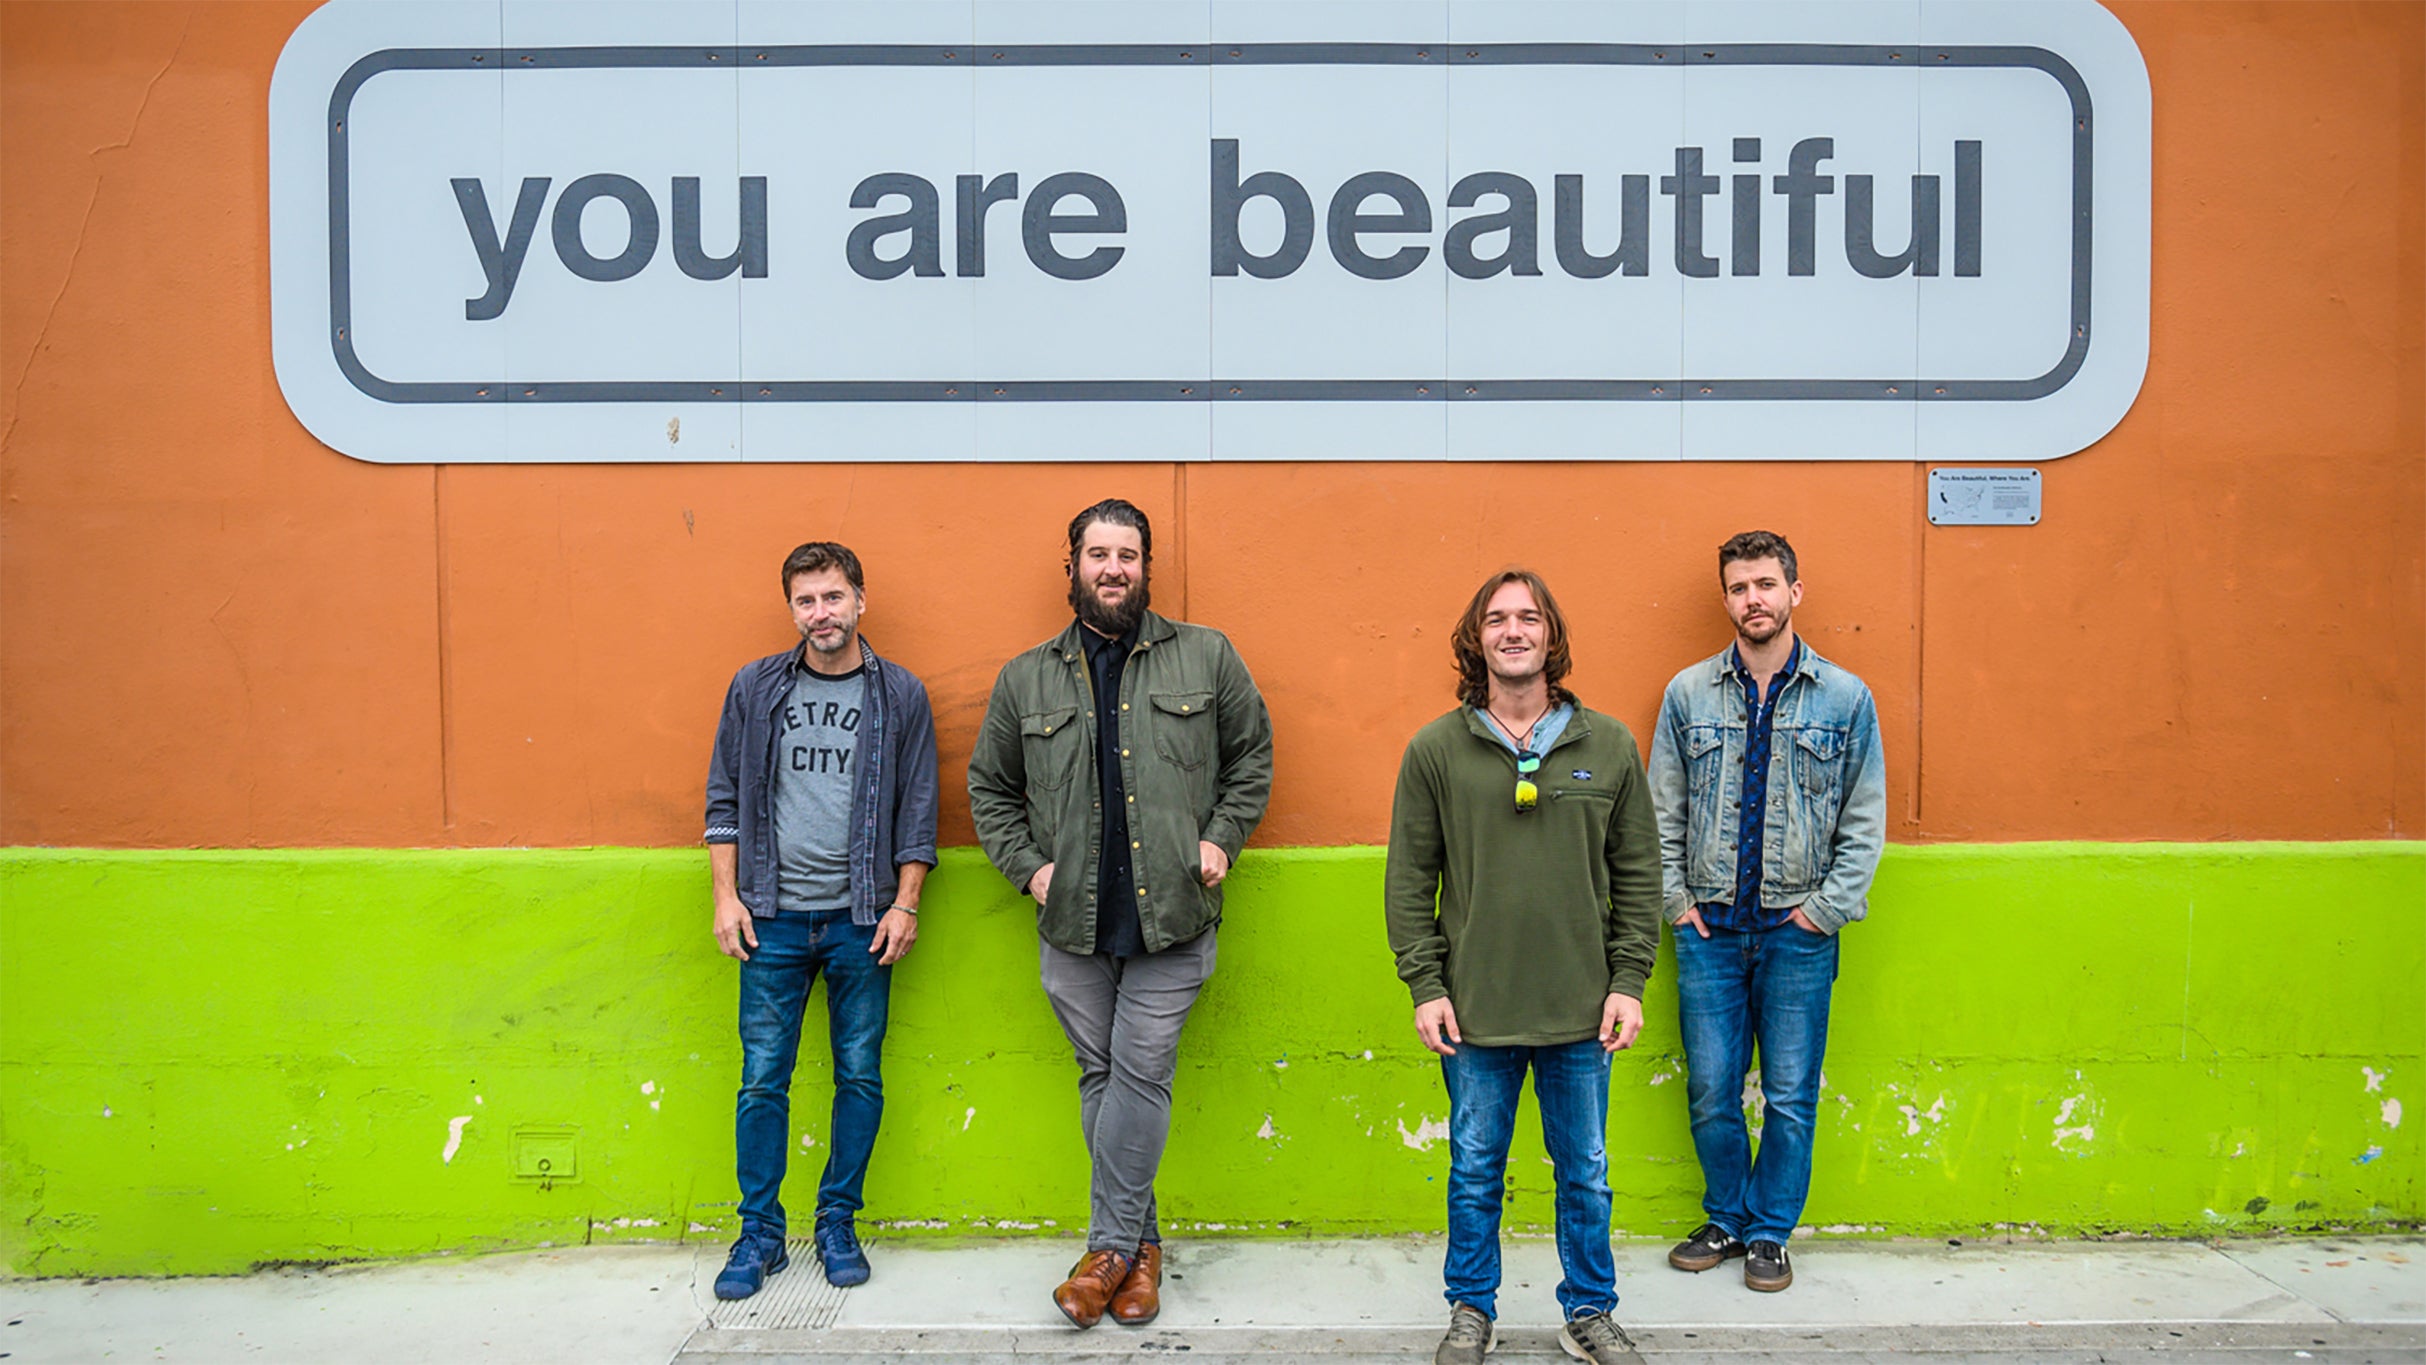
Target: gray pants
1123,1017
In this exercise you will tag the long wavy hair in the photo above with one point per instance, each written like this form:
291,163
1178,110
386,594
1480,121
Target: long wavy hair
1474,675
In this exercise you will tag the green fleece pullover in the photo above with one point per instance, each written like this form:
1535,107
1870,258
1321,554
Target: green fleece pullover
1527,921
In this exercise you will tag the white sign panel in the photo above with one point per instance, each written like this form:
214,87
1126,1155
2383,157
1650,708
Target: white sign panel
1984,497
1243,229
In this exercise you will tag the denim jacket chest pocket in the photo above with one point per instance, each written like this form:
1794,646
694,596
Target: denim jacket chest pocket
1705,752
1819,759
1816,766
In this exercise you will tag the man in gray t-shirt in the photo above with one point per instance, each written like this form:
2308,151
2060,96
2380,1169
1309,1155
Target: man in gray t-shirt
820,831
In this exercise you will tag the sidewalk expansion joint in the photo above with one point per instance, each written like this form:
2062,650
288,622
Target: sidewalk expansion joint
795,1299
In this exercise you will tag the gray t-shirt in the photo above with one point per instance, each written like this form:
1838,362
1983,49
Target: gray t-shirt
816,765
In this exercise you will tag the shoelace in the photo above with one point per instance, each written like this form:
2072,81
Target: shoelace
1469,1328
1602,1330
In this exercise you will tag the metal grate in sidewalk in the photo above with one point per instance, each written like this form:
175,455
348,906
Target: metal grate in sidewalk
795,1298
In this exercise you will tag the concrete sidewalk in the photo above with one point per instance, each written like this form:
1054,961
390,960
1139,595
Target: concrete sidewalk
2333,1299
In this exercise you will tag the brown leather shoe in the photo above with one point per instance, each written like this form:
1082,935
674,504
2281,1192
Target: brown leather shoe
1140,1296
1092,1283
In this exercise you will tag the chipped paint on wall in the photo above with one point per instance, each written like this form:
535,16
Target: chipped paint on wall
2074,1122
1915,1116
454,1139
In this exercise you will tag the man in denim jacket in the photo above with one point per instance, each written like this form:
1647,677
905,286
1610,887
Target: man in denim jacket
1771,794
820,831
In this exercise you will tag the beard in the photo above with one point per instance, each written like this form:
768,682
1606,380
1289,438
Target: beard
809,638
1113,622
1767,628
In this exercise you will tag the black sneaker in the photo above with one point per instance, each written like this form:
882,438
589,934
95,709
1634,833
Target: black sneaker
1766,1267
1707,1247
838,1252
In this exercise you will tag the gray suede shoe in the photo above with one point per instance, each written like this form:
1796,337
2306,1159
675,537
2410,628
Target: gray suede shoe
1597,1338
1471,1337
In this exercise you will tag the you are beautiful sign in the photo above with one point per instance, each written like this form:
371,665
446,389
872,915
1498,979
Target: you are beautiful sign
1582,229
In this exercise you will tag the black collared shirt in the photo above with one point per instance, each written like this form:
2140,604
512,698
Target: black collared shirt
1117,930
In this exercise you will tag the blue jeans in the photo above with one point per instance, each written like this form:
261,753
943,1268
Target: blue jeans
792,949
1735,990
1571,1084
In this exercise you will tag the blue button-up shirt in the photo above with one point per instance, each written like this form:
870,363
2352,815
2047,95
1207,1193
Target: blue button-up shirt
1745,914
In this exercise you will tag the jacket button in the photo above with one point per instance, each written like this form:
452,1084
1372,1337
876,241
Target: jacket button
1124,753
1124,706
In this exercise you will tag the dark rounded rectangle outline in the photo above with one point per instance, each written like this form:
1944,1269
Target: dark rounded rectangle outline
1919,56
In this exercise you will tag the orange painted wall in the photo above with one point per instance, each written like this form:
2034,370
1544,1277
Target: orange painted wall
215,631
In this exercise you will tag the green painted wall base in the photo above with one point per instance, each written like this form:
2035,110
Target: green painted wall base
214,1059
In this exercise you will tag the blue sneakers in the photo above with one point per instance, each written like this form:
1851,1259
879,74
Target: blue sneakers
756,1256
838,1250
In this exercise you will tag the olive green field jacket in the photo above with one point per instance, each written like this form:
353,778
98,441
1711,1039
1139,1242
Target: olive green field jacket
1196,761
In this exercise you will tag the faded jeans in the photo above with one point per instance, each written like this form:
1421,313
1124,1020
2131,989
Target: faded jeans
793,949
1571,1085
1735,990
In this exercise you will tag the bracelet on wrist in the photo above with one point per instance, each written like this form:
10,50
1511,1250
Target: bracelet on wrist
910,910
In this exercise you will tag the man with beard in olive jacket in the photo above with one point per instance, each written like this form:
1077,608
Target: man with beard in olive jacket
1121,766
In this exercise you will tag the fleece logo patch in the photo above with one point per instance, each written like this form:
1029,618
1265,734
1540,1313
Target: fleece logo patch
1583,774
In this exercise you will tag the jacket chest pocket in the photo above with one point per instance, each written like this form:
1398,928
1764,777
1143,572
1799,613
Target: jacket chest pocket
1183,727
1593,804
1051,743
1703,740
1705,747
1819,759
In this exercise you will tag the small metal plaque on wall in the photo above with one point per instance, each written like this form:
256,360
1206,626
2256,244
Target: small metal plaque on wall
1983,497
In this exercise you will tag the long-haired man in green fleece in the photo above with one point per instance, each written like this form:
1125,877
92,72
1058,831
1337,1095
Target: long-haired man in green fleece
1523,899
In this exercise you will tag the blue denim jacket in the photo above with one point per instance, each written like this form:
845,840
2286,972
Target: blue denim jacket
892,802
1827,817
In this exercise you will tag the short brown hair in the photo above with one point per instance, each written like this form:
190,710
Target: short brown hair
1757,545
818,556
1474,675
